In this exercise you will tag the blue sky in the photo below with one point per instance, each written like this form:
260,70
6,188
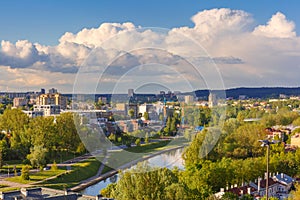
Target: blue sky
46,21
44,43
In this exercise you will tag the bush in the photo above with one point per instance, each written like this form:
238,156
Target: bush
138,142
25,172
54,166
128,144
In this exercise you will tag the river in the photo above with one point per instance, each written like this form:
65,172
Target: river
170,160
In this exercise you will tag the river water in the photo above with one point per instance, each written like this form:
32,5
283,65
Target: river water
170,160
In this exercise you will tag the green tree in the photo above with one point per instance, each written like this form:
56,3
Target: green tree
3,151
295,195
14,123
145,183
68,137
109,190
230,196
44,133
138,142
146,115
147,138
37,156
54,166
131,113
25,172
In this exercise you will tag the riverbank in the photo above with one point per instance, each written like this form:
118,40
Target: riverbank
96,179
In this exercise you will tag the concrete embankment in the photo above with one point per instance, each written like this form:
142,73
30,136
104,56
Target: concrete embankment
96,179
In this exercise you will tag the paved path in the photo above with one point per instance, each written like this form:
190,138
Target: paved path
13,184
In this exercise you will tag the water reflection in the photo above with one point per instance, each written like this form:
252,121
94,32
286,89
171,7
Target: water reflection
170,160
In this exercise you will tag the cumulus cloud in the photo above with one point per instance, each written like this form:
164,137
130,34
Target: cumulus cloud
222,21
96,36
277,27
245,55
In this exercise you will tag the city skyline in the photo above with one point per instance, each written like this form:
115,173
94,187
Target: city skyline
251,47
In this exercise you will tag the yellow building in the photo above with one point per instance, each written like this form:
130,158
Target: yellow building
295,140
52,99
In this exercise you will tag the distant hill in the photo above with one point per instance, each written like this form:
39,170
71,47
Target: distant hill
263,92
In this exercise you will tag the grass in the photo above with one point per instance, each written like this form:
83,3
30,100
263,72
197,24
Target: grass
89,168
34,177
120,158
3,185
80,171
8,189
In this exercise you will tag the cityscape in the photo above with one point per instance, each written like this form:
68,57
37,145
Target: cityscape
146,100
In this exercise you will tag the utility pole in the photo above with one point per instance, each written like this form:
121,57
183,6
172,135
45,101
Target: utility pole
267,180
267,143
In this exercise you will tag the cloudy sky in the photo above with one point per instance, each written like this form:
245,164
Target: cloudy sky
106,46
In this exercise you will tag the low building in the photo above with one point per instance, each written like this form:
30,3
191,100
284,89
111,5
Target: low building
48,110
33,114
295,140
128,125
279,186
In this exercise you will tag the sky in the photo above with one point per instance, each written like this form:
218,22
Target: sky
62,44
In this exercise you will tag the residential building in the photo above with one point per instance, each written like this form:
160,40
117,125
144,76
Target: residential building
295,140
48,110
121,106
212,100
33,114
134,107
279,186
52,91
52,99
128,125
189,99
145,108
19,102
130,92
103,100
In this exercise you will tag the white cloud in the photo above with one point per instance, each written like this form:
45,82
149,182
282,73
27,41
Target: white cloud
278,27
246,55
96,36
222,21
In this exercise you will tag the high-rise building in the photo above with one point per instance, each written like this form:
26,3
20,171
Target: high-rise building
52,91
212,100
19,101
130,92
42,91
189,99
52,99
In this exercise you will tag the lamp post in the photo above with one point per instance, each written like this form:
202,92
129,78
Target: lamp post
7,170
267,143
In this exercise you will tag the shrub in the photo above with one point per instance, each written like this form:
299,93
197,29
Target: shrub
25,172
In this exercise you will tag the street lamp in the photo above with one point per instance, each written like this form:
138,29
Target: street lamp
7,170
267,143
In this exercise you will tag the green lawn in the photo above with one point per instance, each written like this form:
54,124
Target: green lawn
34,177
120,158
79,172
7,189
